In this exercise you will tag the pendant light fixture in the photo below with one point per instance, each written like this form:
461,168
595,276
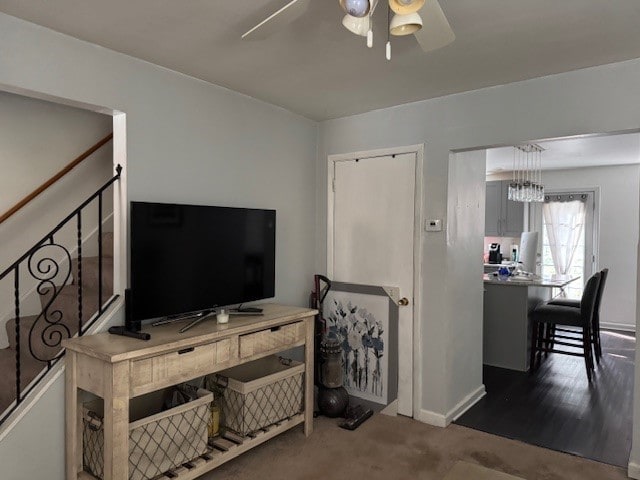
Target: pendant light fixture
359,26
405,24
526,183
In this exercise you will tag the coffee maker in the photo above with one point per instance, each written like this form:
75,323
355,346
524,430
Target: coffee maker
494,253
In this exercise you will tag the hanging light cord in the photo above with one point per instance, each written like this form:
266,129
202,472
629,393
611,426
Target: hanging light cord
388,52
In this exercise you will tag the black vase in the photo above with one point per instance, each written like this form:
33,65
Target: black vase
332,402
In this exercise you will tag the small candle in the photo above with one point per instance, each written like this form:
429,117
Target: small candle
222,317
214,425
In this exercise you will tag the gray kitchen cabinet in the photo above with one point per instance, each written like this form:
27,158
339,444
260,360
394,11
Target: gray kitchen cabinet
503,217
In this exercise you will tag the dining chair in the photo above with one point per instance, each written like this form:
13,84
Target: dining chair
595,324
545,317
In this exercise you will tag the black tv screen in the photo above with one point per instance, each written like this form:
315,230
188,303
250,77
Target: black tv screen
187,258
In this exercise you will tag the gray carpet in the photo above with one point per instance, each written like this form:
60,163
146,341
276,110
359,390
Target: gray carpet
385,448
465,471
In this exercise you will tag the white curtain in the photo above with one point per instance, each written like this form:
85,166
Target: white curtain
564,222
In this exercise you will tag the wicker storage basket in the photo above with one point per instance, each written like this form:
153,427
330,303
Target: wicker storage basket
261,393
157,443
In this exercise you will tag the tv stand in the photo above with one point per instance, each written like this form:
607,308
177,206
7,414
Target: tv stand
120,368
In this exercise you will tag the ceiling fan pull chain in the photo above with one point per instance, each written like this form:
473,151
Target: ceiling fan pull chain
388,52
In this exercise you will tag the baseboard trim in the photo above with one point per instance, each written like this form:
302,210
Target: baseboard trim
618,326
466,403
439,420
633,470
431,418
391,409
53,374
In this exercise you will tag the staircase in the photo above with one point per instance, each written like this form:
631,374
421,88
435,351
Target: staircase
39,338
73,289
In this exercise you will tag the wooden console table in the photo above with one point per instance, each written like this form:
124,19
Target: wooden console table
120,368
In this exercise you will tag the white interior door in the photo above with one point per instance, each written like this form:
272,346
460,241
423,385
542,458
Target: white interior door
372,240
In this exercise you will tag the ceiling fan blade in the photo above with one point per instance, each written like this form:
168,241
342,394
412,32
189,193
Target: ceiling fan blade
436,31
274,22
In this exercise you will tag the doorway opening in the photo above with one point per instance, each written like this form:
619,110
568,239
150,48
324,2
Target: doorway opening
557,407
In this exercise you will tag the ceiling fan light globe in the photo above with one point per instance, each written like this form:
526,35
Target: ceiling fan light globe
405,24
355,8
359,26
405,7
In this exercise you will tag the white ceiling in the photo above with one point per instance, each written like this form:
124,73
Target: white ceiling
574,153
317,68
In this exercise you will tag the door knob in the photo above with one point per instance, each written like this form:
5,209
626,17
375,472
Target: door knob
403,301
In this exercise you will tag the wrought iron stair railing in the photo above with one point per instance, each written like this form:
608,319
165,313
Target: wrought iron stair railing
52,267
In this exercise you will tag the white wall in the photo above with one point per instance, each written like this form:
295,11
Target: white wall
187,141
618,208
600,99
465,239
38,138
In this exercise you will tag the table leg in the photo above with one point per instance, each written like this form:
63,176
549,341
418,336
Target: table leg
309,371
73,427
116,421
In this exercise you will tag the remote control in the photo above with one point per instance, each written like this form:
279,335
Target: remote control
247,310
353,423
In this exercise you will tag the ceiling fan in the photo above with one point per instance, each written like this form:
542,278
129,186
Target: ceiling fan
422,18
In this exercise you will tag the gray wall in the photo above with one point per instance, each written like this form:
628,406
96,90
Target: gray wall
595,100
187,141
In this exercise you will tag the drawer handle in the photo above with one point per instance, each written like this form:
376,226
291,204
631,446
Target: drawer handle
186,350
275,329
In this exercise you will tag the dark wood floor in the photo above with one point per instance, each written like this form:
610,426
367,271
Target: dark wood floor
556,407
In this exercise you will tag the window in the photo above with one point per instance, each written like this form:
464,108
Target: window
571,228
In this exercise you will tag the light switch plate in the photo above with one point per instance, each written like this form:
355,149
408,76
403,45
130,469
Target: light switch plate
433,225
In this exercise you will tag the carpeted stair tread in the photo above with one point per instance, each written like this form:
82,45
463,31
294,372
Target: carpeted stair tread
25,323
67,301
29,369
44,334
90,272
107,244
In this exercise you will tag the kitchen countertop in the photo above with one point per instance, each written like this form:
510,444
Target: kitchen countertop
556,281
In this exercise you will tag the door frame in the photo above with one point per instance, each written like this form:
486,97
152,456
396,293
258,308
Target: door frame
418,149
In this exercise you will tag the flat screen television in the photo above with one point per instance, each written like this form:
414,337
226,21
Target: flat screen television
189,258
